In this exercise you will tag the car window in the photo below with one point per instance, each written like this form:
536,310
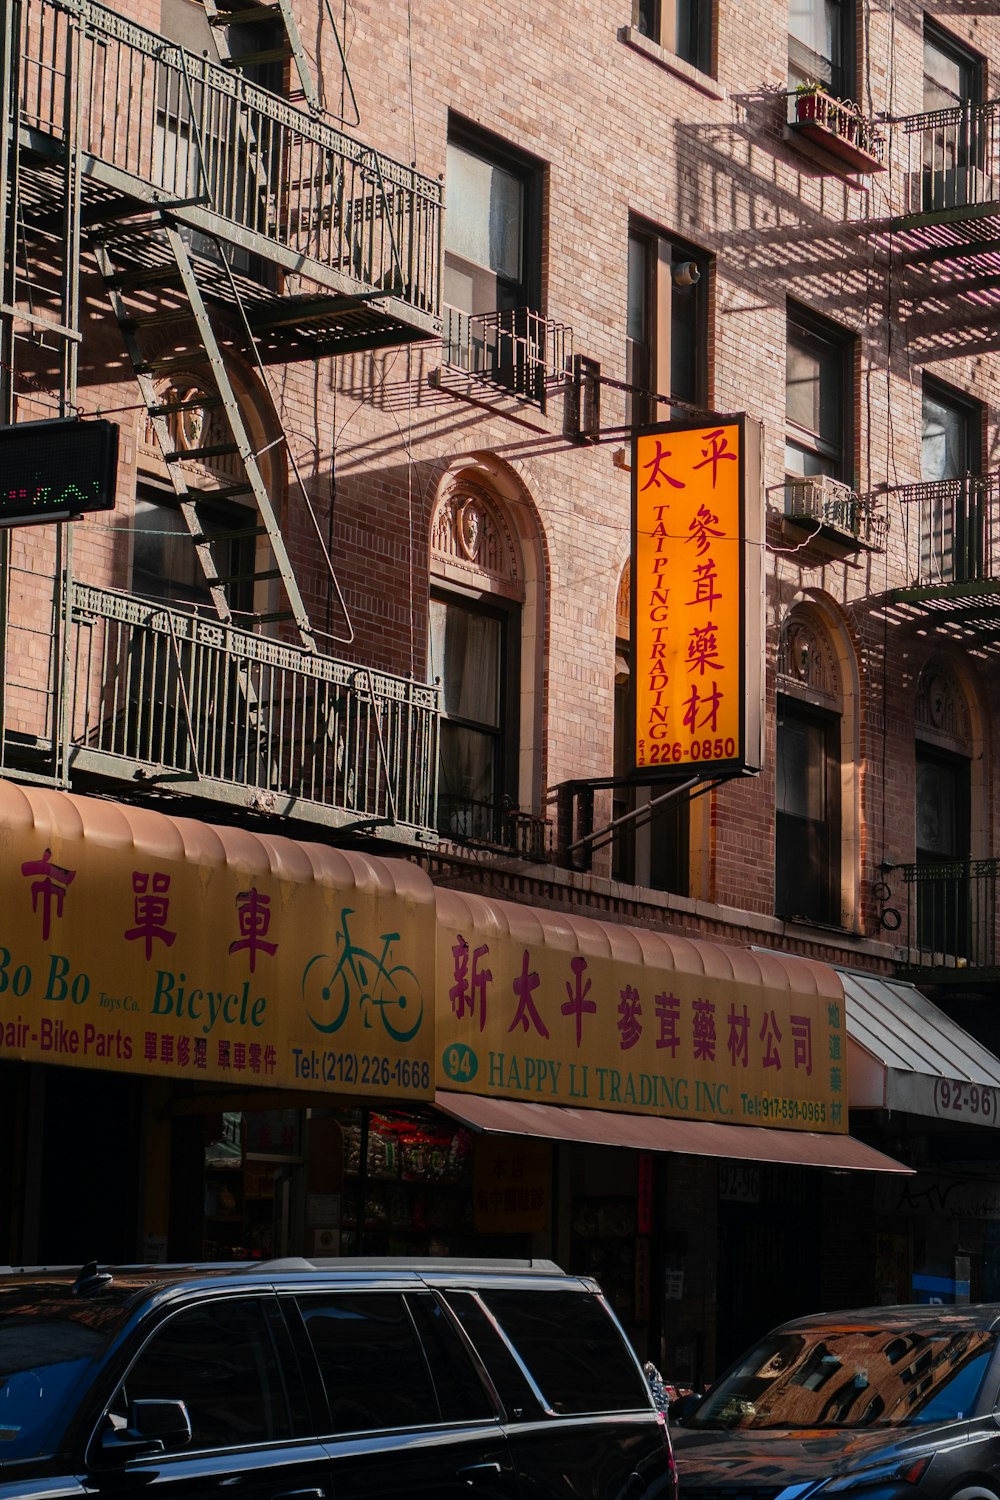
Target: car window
460,1391
572,1348
371,1361
516,1394
50,1342
218,1358
851,1376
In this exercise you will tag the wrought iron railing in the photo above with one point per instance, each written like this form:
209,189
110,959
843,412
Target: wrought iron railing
188,131
495,824
517,350
953,161
951,915
955,525
177,697
839,124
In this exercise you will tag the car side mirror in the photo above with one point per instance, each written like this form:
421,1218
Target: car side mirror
154,1426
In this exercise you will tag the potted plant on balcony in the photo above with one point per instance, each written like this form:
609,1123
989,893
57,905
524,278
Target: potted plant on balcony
839,127
808,102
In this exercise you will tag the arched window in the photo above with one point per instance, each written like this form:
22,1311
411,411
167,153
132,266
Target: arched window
484,603
815,816
942,807
652,850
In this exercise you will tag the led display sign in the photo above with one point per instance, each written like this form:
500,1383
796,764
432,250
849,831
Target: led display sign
55,471
697,598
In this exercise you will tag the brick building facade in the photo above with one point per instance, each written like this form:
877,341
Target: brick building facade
443,264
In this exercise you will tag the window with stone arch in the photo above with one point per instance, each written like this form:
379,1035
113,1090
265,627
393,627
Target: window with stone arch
485,638
945,796
816,786
164,562
654,849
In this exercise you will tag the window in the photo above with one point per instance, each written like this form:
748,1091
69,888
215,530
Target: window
219,1360
169,701
667,326
653,850
492,262
817,408
562,1337
165,565
201,135
473,651
942,836
953,149
951,434
952,515
807,813
952,74
820,45
486,651
371,1361
683,27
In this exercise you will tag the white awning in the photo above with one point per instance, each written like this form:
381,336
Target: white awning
905,1054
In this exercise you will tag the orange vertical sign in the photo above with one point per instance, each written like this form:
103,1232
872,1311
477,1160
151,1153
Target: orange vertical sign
695,599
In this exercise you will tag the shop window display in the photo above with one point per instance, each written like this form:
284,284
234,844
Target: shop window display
249,1159
416,1187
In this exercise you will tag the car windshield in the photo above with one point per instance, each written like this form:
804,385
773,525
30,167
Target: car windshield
850,1376
49,1341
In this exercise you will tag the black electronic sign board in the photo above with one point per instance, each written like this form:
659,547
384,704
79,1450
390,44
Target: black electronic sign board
56,470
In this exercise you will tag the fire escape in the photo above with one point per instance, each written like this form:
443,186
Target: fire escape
944,250
232,231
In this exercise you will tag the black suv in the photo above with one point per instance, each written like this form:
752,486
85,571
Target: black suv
333,1380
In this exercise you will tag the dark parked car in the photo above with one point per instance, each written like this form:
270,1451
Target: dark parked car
340,1380
890,1403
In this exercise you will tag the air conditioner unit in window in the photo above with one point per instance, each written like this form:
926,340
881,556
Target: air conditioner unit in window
828,501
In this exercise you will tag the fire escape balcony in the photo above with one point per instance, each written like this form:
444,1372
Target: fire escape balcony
947,237
286,194
130,697
516,350
952,532
952,925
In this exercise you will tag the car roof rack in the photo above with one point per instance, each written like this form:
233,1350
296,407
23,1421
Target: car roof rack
446,1264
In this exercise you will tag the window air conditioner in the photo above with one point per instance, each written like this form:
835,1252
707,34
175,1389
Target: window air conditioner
820,498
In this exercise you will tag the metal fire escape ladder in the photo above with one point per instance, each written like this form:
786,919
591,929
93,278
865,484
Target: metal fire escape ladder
20,322
140,315
251,13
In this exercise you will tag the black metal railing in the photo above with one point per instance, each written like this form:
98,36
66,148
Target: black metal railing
837,508
951,916
178,129
516,350
839,124
952,157
122,687
496,824
955,523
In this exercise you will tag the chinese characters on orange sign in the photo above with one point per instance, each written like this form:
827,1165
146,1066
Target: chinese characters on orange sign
688,594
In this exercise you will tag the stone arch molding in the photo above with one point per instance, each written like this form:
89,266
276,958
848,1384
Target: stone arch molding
473,540
809,662
941,710
203,425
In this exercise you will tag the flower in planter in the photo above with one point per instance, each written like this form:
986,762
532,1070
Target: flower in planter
808,105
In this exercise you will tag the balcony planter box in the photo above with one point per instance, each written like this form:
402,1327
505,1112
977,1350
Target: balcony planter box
840,129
